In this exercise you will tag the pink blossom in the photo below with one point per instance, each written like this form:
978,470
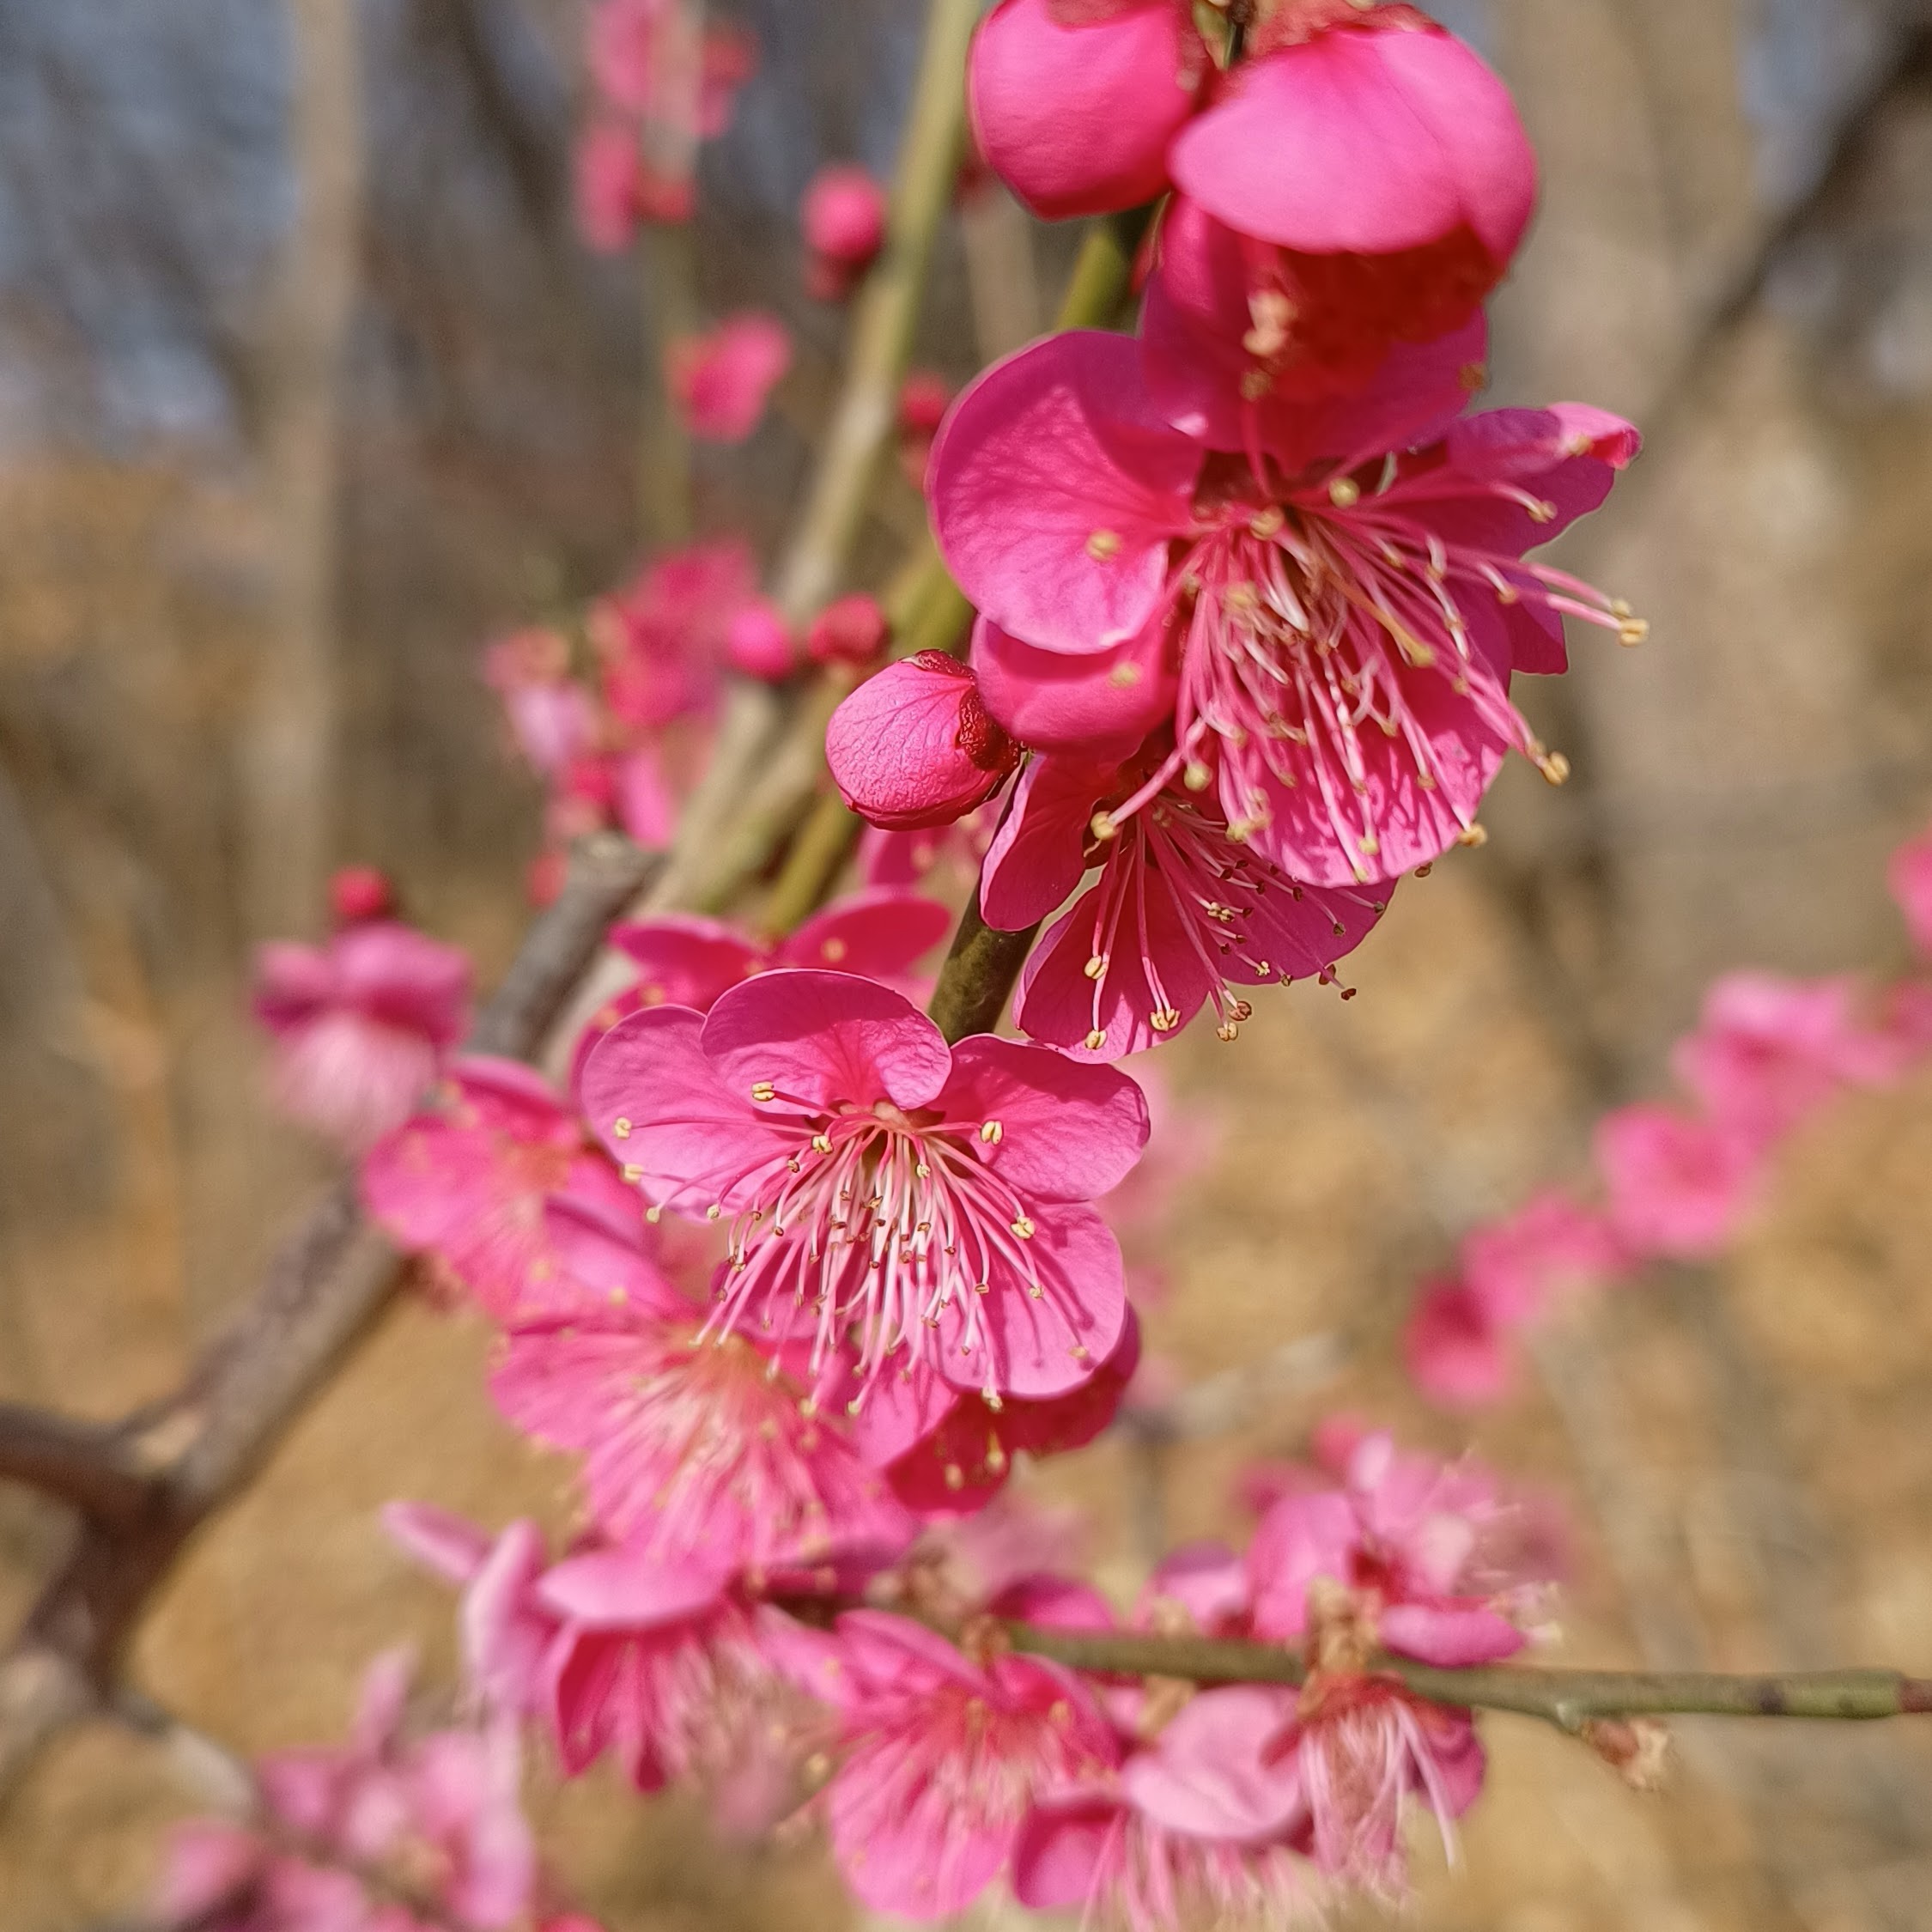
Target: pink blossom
1180,916
662,1666
551,713
913,747
1680,1185
947,1451
1398,183
759,644
1457,1352
923,398
850,630
1093,1850
1073,107
663,638
720,380
340,1830
358,893
361,1026
613,190
1909,876
843,217
1550,1246
1769,1051
931,1198
688,960
943,1757
694,1445
466,1183
638,50
1346,634
1431,1558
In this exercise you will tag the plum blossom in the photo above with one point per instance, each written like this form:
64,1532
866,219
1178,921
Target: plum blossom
942,1756
1457,1351
1074,103
924,399
1909,876
759,643
466,1182
1180,916
843,217
663,638
688,960
932,1199
913,747
1398,184
849,630
1680,1185
1346,629
551,715
360,1025
720,380
694,1446
384,1830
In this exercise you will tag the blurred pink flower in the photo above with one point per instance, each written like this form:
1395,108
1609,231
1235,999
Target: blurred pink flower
551,714
638,50
720,380
663,638
357,893
361,1026
942,1759
849,630
1457,1350
1680,1185
1909,876
843,217
913,747
876,1180
923,400
466,1182
759,643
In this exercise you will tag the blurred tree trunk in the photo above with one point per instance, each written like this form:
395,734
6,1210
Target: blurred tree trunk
289,748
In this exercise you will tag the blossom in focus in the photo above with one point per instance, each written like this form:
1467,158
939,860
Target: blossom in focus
720,380
551,713
694,1445
688,960
843,217
1180,916
942,1759
1680,1185
914,746
1398,184
849,630
947,1451
1345,633
360,1025
874,1180
1909,876
466,1181
1769,1051
343,1829
1074,104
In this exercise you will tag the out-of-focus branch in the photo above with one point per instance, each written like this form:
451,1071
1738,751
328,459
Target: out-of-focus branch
1567,1698
155,1479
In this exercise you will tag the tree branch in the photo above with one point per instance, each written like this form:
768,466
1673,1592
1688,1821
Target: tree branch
1566,1698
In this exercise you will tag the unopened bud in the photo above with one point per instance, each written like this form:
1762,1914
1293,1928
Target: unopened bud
914,746
1638,1749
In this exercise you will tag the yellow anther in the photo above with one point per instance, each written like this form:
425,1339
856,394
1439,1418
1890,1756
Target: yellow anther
654,1215
764,1089
621,1128
1196,776
711,1212
834,950
1095,966
1103,827
1024,1228
821,1143
992,1133
1345,493
1124,677
1542,511
1554,766
1472,836
923,1172
1268,523
633,1175
1096,1040
1103,544
1633,630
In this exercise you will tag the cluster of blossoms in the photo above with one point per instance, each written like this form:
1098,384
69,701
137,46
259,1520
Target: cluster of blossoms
1679,1180
388,1832
797,1276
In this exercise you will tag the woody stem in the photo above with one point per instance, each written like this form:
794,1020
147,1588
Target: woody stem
1566,1698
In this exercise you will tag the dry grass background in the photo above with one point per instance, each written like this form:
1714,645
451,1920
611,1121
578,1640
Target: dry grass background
1756,1439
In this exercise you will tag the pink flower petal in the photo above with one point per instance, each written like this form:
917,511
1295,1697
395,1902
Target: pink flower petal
1215,1772
1092,704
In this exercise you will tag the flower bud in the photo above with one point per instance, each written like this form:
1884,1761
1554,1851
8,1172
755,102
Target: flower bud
357,893
759,643
720,380
853,630
1076,119
914,746
843,217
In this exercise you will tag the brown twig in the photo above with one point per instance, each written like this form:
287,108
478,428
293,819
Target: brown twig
143,1489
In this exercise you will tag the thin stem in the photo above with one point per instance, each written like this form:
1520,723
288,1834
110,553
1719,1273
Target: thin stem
1566,1698
978,974
668,272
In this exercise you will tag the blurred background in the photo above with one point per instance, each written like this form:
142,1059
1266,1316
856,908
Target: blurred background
222,568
